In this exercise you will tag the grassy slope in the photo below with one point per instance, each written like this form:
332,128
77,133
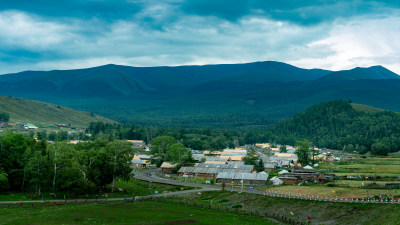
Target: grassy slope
41,113
320,212
124,213
365,108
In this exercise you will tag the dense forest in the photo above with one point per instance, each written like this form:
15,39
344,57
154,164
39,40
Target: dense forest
51,164
38,166
337,125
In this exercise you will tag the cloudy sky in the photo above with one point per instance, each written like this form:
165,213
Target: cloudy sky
328,34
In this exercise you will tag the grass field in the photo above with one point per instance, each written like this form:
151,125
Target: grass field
335,191
124,213
140,188
358,183
370,166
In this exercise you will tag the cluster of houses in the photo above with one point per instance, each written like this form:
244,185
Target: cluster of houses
27,126
224,166
227,166
277,159
301,176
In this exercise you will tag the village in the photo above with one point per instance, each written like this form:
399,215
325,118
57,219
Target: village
227,167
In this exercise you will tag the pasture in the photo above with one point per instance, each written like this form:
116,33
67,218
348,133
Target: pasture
146,212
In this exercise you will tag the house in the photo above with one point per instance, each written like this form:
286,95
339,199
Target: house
167,167
236,163
237,158
144,157
136,142
211,170
289,180
321,178
198,157
199,172
140,161
310,175
215,162
269,166
242,178
215,158
225,167
263,145
30,126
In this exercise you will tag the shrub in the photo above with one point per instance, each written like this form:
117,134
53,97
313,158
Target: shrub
237,206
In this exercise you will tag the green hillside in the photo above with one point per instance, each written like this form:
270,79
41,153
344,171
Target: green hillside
338,125
44,114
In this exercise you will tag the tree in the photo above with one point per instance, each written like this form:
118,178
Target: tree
251,158
303,152
4,117
118,160
4,185
260,166
160,146
379,149
42,135
177,153
282,149
60,154
12,151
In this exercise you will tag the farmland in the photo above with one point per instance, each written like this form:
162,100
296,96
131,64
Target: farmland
370,166
124,213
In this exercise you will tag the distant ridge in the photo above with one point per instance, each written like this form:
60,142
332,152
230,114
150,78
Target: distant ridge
258,93
371,73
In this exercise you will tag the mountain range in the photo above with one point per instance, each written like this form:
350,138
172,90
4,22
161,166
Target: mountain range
230,95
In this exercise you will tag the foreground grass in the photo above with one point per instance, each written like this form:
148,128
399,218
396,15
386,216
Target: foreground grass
124,213
320,212
140,188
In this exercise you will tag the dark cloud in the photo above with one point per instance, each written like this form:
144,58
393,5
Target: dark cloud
106,10
51,34
303,12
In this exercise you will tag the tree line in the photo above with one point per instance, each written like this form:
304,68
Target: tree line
4,117
37,166
337,125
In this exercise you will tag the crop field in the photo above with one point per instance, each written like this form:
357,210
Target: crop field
358,183
380,166
124,213
334,191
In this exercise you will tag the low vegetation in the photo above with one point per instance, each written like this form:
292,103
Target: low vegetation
124,213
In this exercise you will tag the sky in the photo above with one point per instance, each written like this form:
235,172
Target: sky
70,34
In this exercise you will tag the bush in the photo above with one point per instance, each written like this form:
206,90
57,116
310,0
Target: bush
237,206
4,185
331,185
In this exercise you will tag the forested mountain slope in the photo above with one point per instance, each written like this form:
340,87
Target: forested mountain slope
337,125
259,93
